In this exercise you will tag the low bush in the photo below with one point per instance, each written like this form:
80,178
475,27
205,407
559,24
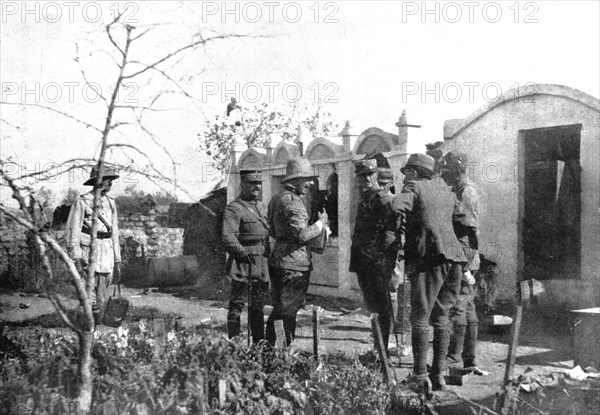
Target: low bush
194,371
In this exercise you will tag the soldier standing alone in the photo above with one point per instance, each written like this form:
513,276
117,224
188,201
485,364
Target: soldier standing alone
245,237
79,233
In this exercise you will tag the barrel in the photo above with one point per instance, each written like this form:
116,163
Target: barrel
586,337
172,271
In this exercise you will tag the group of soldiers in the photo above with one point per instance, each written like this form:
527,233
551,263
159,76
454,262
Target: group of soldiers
429,229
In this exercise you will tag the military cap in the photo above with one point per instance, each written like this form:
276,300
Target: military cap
251,175
383,167
420,160
108,173
380,158
456,159
298,167
367,166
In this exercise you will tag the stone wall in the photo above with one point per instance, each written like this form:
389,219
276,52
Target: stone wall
141,236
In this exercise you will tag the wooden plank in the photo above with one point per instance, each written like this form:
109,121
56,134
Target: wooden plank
315,316
159,336
505,400
388,376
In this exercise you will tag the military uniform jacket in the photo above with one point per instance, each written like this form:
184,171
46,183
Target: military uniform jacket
79,236
245,231
288,225
376,238
432,214
466,192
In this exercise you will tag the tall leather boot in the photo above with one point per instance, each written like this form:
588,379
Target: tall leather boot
441,339
468,354
394,300
258,325
233,327
455,348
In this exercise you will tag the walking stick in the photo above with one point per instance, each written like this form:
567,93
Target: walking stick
250,299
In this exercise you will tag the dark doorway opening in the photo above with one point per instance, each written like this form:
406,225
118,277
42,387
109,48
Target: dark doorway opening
551,203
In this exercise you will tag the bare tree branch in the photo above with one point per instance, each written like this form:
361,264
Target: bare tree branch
181,49
64,114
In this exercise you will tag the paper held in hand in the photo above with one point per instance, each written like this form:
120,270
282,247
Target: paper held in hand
319,243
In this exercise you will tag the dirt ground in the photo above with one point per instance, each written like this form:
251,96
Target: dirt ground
544,345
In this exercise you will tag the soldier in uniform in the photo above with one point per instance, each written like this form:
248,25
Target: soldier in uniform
464,321
79,230
245,237
291,262
374,246
434,258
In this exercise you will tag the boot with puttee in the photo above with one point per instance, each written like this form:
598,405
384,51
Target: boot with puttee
441,339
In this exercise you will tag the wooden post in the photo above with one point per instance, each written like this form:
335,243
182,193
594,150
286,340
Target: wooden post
504,400
222,392
279,334
159,336
315,316
380,346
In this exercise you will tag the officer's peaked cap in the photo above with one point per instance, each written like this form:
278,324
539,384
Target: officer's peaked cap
365,166
251,175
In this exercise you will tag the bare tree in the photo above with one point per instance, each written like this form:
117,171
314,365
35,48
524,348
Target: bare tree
124,40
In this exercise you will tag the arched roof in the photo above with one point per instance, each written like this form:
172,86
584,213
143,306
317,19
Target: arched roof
454,127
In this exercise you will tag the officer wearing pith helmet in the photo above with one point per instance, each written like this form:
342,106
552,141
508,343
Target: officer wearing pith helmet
374,246
79,234
291,261
432,254
245,238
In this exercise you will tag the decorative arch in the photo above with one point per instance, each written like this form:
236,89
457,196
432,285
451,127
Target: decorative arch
322,149
284,151
375,140
251,159
526,92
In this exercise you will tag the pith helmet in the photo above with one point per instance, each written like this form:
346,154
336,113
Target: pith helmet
367,166
298,167
420,160
108,174
251,175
